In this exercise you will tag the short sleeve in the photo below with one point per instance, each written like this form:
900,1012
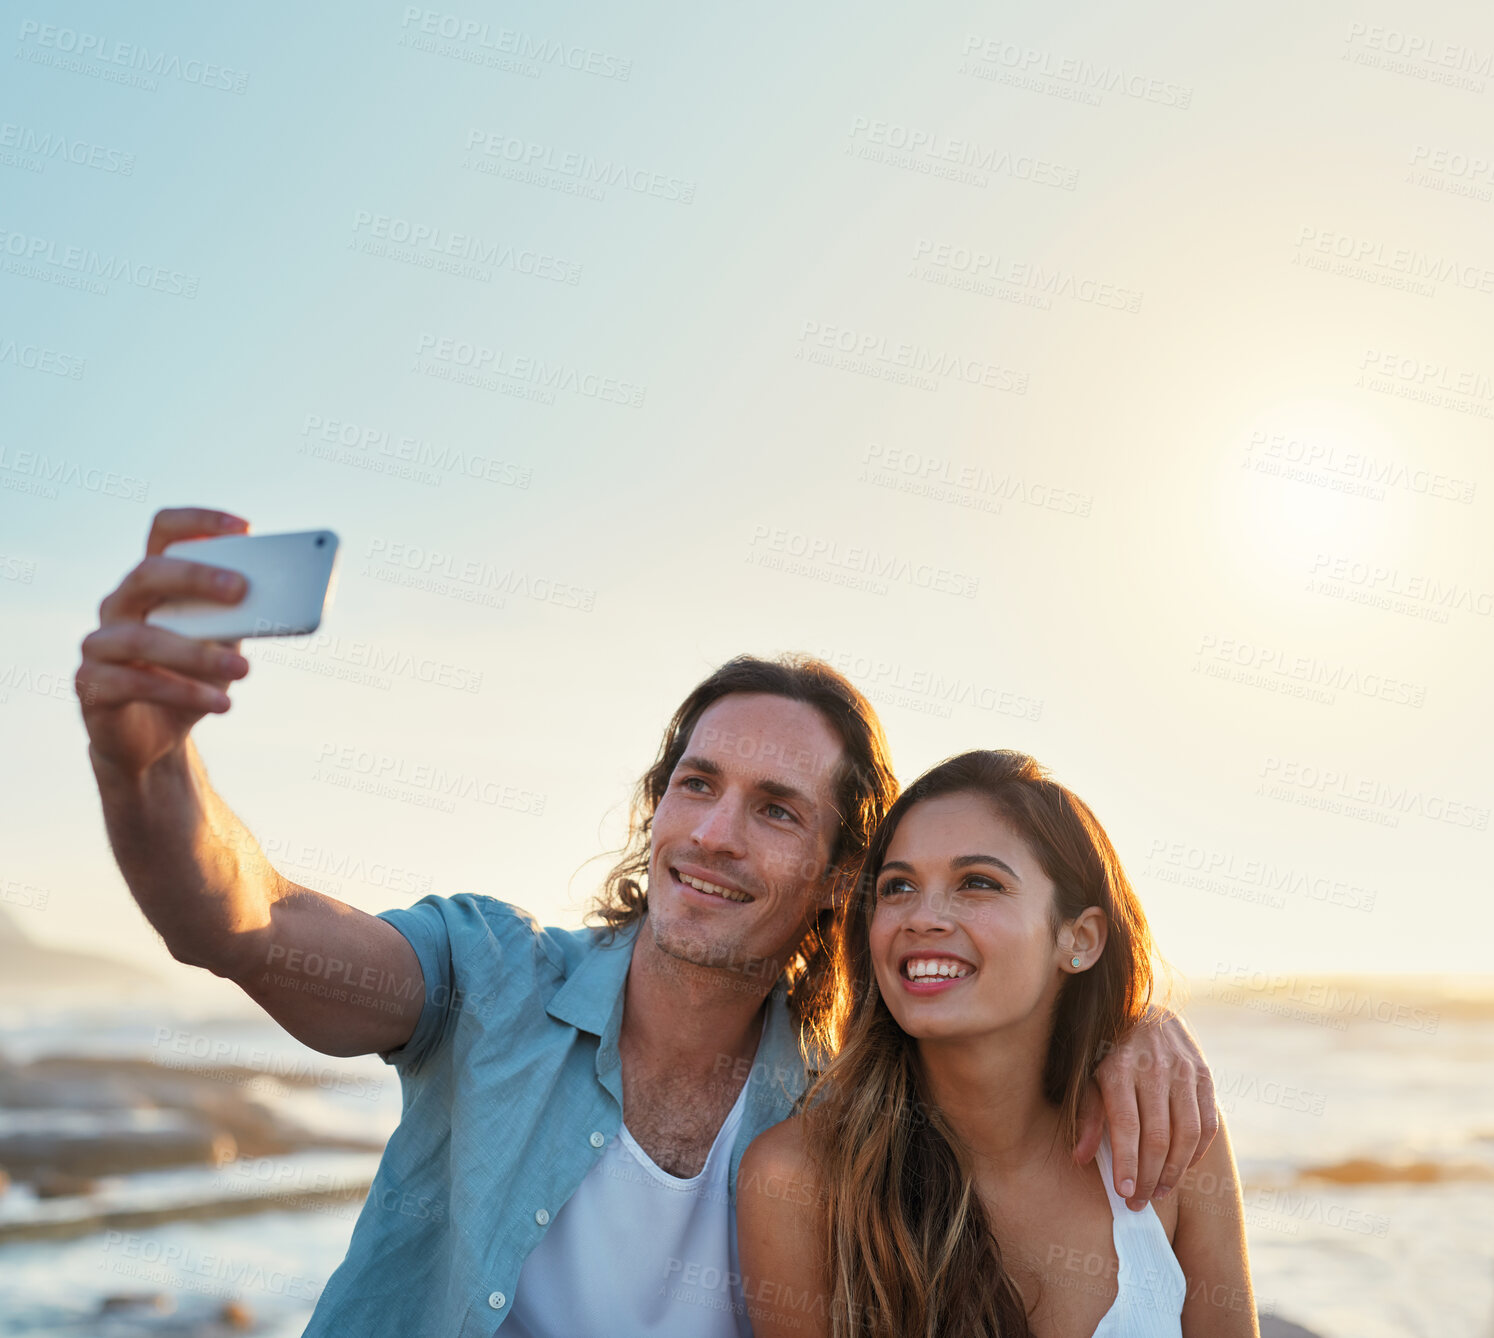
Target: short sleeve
424,928
477,955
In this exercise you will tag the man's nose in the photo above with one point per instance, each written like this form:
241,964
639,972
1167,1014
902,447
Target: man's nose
722,828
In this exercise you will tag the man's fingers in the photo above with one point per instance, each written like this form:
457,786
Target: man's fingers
1091,1124
1118,1087
1193,1073
173,523
158,579
1185,1130
109,685
1208,1116
1153,1099
1159,1103
131,643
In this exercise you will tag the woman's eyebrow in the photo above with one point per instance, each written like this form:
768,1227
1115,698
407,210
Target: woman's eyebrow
959,862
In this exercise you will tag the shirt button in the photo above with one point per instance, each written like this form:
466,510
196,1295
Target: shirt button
597,1139
497,1300
542,1217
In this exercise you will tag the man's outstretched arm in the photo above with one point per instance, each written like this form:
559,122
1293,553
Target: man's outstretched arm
194,869
1155,1092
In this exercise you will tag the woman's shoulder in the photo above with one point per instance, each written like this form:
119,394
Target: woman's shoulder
780,1147
778,1164
1213,1179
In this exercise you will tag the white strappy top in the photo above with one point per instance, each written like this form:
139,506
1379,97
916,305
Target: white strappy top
1152,1288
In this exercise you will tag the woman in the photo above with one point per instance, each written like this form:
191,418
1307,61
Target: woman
927,1189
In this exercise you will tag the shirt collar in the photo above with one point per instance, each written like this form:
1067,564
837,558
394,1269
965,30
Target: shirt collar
592,993
779,1064
591,1000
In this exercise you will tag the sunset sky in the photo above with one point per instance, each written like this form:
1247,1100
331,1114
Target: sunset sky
1113,386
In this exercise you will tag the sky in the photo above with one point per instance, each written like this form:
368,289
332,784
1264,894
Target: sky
1112,385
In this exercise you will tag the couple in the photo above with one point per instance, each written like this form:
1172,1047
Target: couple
577,1104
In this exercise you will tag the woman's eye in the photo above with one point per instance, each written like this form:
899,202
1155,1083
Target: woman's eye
893,886
980,880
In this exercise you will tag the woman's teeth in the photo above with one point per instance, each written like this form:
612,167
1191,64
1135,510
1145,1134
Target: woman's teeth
926,969
713,889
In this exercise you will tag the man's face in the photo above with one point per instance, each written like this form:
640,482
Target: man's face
743,833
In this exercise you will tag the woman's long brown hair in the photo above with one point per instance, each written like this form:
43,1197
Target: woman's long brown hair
909,1247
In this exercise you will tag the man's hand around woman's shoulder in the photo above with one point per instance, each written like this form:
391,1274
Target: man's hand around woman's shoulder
1155,1093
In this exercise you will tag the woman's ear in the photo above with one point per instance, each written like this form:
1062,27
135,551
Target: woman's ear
1082,939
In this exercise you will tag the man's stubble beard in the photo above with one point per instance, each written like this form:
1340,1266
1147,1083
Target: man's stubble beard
692,947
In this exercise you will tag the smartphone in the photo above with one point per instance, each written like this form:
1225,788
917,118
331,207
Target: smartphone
291,578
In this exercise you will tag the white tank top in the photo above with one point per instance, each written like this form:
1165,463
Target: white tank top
1151,1285
636,1250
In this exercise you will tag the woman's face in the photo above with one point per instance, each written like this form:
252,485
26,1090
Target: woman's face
961,938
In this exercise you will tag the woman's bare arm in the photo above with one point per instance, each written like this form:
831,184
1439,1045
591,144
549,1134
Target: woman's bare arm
1210,1245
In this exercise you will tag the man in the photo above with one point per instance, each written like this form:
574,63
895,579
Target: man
617,1074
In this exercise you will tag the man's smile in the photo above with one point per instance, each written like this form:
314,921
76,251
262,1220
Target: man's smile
708,887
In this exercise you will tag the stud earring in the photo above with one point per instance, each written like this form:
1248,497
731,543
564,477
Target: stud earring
1073,961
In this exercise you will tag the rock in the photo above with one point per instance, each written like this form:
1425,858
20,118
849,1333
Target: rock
155,1303
1363,1171
88,1117
237,1316
110,1151
65,1120
50,1184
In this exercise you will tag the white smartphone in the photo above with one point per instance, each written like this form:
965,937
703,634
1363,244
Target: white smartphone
291,578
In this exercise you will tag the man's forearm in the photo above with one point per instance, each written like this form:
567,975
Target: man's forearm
193,867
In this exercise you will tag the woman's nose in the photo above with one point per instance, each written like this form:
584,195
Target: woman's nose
931,912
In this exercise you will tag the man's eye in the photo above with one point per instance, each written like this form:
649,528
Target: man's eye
692,780
778,810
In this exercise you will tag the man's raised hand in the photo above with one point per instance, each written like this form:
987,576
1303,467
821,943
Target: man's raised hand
141,687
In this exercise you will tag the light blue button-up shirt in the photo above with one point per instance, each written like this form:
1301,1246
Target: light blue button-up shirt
512,1088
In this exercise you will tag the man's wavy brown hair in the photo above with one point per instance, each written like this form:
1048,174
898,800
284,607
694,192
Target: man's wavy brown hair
863,787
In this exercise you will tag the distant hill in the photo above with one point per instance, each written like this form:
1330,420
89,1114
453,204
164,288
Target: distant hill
32,968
